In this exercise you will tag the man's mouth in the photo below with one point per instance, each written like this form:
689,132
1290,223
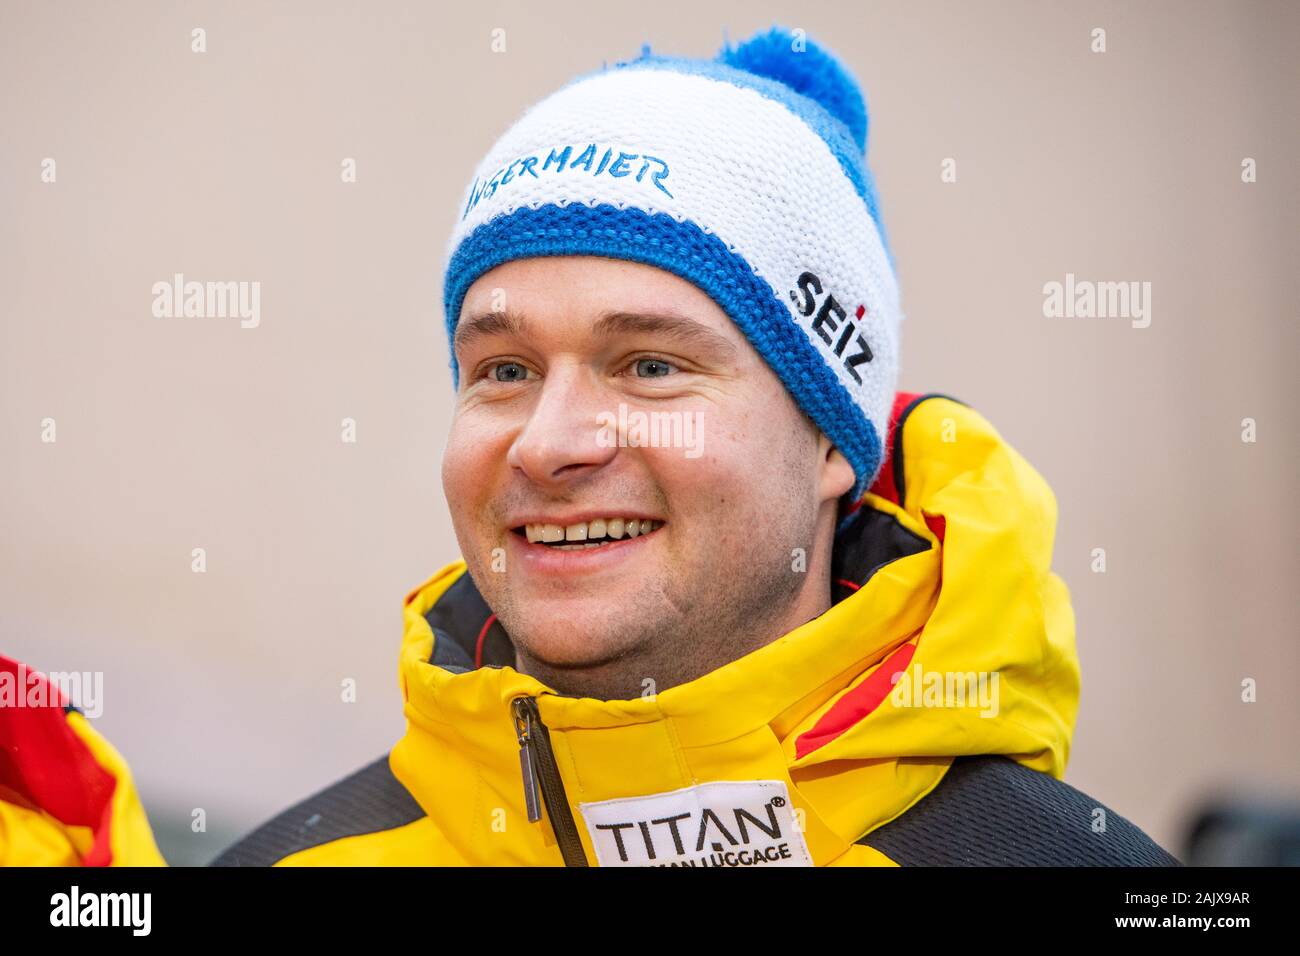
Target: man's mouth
585,535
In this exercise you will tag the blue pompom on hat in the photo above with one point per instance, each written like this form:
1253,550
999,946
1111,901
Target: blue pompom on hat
745,175
811,72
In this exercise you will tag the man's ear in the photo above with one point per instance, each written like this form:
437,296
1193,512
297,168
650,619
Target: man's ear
837,477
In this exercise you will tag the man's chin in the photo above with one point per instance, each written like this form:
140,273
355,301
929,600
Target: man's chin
572,651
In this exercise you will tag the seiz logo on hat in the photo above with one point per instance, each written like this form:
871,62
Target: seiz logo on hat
724,823
847,344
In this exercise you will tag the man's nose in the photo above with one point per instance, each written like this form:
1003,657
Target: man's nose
561,439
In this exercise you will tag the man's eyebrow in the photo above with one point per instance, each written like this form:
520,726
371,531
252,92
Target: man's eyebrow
484,324
678,328
610,324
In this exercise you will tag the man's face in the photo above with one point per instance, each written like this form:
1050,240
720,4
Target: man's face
595,389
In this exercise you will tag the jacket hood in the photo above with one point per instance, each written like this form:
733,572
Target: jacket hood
948,635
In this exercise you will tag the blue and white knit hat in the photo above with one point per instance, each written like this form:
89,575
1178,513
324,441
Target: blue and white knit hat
745,175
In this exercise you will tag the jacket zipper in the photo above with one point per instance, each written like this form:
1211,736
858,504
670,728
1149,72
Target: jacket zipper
540,772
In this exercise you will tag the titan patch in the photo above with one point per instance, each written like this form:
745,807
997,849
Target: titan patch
724,823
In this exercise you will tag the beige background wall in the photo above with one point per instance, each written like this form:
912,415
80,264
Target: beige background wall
223,689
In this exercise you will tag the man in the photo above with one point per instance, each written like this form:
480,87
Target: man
725,598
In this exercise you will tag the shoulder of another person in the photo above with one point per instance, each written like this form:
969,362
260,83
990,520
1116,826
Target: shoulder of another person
991,811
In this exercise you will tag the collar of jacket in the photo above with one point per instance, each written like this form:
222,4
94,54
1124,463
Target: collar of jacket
942,567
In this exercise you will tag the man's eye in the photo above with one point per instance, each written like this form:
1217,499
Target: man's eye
653,368
514,372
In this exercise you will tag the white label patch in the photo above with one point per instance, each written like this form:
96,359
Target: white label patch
725,823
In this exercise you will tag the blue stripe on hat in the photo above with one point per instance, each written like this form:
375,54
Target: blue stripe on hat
685,250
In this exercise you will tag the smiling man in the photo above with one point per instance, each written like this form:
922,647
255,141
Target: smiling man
823,632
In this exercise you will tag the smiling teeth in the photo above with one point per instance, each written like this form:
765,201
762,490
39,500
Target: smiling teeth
614,528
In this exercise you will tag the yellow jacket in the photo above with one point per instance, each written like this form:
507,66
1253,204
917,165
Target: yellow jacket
949,638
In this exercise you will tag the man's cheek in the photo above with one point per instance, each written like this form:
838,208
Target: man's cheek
465,466
465,494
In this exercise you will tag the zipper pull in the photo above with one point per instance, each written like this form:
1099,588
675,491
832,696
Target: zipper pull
542,780
527,759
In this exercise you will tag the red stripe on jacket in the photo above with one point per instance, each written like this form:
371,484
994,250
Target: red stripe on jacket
855,704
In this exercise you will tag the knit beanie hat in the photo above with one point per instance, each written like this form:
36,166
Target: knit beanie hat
745,175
